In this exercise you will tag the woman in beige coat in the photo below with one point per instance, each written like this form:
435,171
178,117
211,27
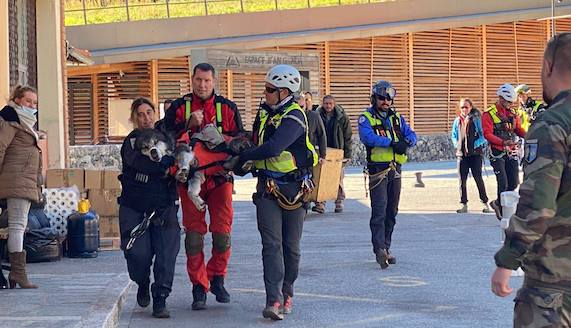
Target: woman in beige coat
20,174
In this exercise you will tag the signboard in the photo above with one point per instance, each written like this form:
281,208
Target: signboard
238,60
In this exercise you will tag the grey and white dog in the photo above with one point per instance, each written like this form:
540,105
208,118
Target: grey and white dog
155,145
186,161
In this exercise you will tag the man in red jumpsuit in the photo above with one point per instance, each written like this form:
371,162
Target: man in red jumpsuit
192,112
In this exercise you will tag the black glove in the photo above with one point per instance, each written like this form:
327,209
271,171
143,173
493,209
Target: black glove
167,161
399,147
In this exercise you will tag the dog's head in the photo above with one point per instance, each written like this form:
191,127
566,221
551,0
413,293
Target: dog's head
185,157
153,144
239,144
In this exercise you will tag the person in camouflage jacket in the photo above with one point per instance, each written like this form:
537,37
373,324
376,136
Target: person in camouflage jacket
538,238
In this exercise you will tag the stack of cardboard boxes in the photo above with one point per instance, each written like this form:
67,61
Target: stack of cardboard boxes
102,188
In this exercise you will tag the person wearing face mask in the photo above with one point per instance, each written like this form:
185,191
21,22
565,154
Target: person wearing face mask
502,126
283,159
186,116
538,238
20,174
147,189
386,137
468,140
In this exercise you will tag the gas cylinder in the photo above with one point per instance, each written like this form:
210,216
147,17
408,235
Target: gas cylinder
83,232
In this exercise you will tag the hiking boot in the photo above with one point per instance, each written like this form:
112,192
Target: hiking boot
382,258
160,307
143,296
497,208
463,209
487,209
217,288
390,258
288,305
338,208
273,312
198,297
319,208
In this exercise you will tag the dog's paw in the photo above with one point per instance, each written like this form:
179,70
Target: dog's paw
198,202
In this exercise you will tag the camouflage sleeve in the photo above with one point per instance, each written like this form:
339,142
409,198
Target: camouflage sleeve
544,162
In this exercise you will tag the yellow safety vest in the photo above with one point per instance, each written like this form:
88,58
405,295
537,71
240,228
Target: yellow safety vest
502,129
285,162
525,122
385,154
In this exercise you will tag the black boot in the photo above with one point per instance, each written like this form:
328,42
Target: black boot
391,258
217,288
3,281
382,258
143,296
160,307
198,297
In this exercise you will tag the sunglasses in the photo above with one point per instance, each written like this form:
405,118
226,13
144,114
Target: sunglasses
465,107
383,98
556,40
271,90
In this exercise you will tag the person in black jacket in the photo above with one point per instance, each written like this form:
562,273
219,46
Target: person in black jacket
339,133
147,189
315,126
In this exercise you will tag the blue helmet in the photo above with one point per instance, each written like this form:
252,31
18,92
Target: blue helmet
384,89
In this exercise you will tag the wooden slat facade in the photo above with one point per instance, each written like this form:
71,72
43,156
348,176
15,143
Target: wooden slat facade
431,70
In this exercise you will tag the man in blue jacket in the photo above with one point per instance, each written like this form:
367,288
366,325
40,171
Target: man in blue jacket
386,136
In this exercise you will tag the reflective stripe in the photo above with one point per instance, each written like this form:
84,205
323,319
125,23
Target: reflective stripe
219,116
188,111
285,162
295,119
494,114
384,154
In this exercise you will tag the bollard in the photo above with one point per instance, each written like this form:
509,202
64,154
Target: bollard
509,200
419,183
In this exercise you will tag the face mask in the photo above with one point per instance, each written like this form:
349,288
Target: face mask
30,111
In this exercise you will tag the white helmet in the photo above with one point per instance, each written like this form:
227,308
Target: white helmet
284,76
507,91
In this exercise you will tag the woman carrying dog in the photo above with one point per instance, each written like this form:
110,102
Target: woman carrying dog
20,174
148,195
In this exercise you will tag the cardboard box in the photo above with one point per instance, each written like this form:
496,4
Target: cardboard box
104,201
326,176
93,179
109,227
59,178
111,179
109,244
102,179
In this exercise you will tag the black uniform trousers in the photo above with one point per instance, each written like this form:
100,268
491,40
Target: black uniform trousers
506,169
161,241
280,230
385,196
471,163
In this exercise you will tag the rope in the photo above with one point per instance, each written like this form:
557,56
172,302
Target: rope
381,175
301,197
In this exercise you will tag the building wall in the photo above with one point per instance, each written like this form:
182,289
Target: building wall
431,70
22,26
